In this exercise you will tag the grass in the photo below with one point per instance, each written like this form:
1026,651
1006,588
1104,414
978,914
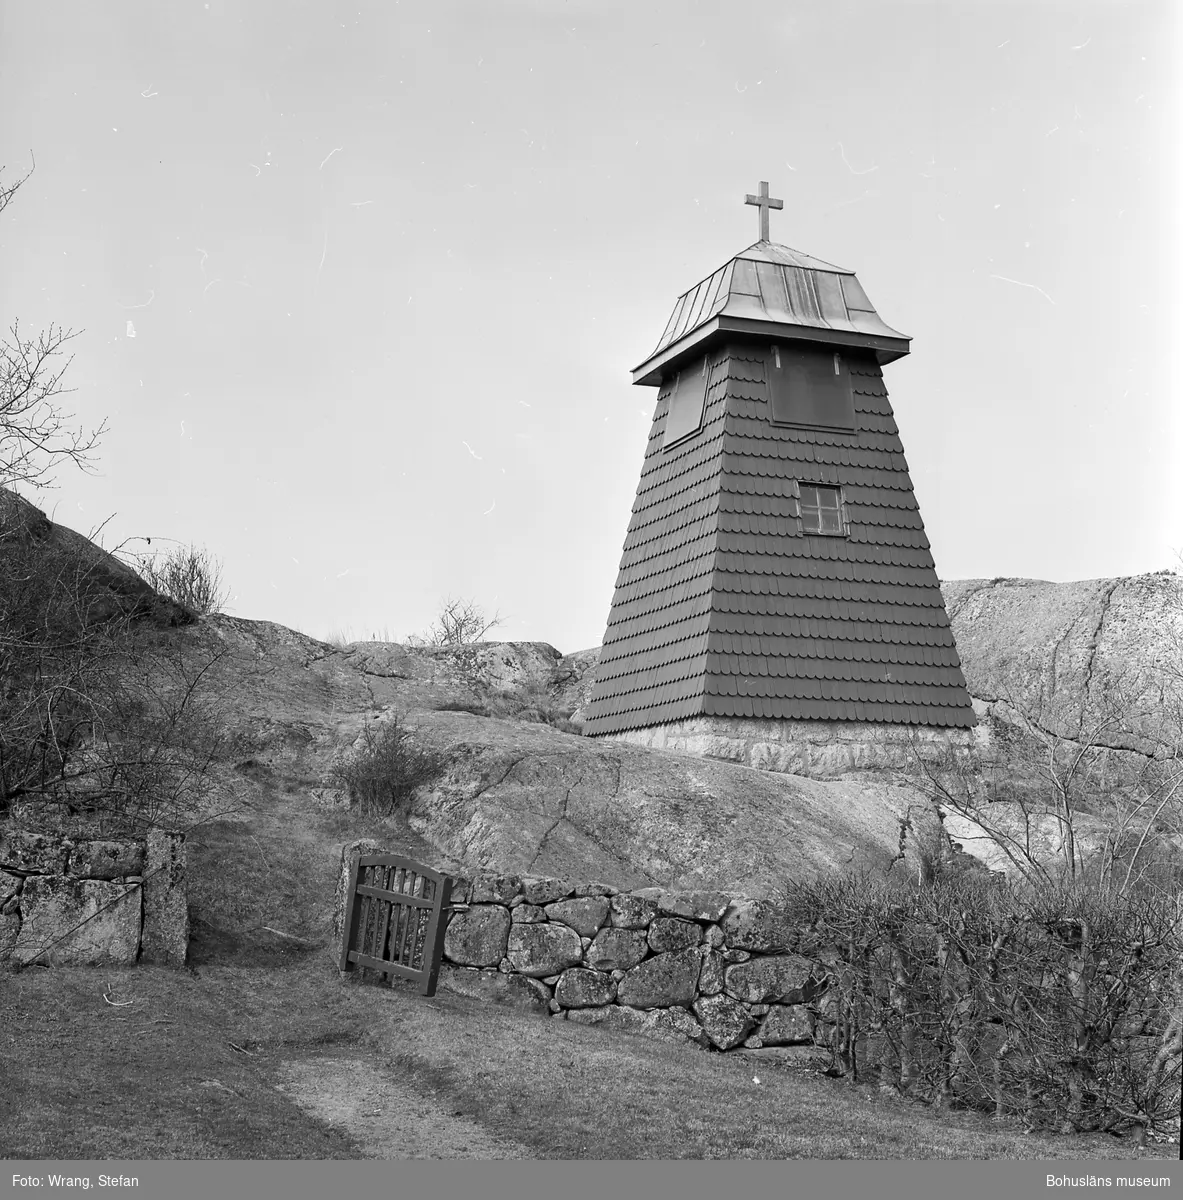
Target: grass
189,1067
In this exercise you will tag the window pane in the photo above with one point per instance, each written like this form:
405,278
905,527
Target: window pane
687,403
820,508
809,387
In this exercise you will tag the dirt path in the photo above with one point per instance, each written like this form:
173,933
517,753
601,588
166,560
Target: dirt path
385,1120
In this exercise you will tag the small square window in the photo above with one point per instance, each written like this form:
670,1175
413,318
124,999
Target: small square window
821,510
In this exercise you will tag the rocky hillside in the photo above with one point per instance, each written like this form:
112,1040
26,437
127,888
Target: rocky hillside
1071,655
519,795
523,792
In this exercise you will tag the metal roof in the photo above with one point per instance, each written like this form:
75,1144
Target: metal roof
723,607
772,290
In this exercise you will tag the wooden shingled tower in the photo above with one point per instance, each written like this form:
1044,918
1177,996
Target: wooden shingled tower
776,587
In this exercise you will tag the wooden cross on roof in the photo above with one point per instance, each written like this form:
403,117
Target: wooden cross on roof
763,202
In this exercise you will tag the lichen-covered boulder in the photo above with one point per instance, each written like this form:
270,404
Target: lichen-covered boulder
514,991
478,937
710,977
674,1025
671,933
697,906
632,912
490,888
724,1020
786,1025
616,949
106,859
541,950
10,927
78,922
581,988
757,925
527,914
775,979
165,936
662,981
545,891
585,915
33,853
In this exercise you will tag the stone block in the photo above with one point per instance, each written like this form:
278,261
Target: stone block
593,887
10,927
165,936
106,859
713,936
631,911
490,888
544,891
581,988
674,1025
513,991
776,979
25,853
478,937
672,933
585,915
777,756
541,950
527,914
787,1025
617,949
78,922
696,906
710,976
757,925
661,981
344,866
724,1020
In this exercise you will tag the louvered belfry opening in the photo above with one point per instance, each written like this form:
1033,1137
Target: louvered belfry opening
776,565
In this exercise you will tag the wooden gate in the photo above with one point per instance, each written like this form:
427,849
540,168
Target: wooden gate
394,918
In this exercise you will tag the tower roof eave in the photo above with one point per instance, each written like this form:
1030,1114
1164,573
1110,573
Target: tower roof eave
886,346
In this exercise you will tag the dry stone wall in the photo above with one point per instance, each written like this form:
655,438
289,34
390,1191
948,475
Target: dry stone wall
701,968
69,902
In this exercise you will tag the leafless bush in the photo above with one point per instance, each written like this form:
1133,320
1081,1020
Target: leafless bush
104,719
381,776
191,577
36,435
459,623
1061,1008
99,723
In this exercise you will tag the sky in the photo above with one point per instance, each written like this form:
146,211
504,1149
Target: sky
361,284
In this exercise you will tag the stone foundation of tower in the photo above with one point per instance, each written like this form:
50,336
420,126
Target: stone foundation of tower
818,749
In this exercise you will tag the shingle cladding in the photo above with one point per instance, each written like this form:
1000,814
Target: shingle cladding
724,607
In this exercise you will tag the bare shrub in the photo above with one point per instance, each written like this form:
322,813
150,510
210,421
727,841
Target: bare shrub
381,776
105,720
1060,1007
459,623
190,576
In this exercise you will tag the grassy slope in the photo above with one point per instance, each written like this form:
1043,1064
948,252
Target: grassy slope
189,1067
